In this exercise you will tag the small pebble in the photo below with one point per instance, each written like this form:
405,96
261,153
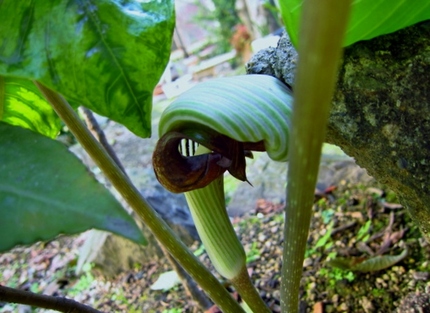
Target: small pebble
394,279
307,262
367,305
380,283
335,299
312,286
343,307
399,269
423,242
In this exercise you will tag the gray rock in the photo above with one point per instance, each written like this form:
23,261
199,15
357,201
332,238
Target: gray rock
265,176
112,254
381,110
172,208
280,62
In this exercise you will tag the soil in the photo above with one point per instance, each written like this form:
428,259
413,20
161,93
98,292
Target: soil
363,222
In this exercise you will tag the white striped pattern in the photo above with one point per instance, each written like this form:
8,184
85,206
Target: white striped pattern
247,108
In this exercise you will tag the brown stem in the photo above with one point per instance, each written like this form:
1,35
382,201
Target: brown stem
43,301
97,132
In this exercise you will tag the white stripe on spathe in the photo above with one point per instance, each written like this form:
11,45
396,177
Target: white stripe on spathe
247,108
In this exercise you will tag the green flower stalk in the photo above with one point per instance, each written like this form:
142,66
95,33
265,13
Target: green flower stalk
207,206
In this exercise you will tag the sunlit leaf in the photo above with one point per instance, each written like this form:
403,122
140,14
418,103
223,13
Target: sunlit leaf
22,104
45,190
107,55
369,18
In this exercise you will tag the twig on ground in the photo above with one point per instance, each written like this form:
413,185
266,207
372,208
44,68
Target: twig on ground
342,228
43,301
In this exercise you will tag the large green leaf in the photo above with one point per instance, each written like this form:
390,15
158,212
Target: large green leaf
45,190
22,104
107,55
369,18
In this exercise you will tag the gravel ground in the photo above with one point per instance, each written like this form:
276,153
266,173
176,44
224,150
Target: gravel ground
362,222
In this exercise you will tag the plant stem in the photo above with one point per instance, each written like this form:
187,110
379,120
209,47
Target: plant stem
243,284
43,301
132,196
323,24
